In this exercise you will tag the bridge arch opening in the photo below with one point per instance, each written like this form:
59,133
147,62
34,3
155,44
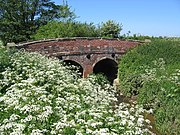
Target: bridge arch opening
107,67
77,67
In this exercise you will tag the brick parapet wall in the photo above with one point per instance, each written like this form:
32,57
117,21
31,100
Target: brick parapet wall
79,45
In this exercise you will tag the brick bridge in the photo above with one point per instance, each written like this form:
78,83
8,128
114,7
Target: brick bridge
92,55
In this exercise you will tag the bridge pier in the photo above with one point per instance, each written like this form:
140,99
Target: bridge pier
87,70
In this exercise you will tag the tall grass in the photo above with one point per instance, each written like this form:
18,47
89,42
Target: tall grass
152,71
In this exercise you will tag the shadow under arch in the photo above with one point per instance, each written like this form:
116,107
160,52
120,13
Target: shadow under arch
74,63
107,67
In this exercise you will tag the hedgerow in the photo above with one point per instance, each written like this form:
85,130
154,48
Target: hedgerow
152,71
38,95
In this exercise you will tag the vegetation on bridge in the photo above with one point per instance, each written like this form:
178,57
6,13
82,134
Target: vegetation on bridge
152,72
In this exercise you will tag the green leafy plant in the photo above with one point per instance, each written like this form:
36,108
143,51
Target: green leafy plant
44,97
152,71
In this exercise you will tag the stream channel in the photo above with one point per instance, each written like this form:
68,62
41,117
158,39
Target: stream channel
132,101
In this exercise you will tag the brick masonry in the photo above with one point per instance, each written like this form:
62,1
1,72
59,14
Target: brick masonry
87,52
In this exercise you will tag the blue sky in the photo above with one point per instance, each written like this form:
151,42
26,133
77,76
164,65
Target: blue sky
145,17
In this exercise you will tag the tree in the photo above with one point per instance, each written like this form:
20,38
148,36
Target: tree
110,29
19,19
58,29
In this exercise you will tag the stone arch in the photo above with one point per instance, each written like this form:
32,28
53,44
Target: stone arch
74,63
108,67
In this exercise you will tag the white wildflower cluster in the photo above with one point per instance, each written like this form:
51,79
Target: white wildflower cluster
160,63
43,97
154,74
151,72
175,77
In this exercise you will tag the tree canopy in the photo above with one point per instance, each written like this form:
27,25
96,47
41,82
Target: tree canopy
56,29
110,29
19,19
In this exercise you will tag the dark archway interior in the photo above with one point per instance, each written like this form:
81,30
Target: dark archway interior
77,65
107,67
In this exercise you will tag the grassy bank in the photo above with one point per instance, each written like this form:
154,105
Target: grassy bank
152,71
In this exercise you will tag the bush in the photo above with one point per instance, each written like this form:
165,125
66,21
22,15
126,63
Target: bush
152,71
5,56
43,97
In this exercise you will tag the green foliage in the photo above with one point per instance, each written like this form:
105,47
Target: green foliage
137,60
110,29
5,62
152,71
20,19
56,29
100,79
42,96
1,43
4,58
